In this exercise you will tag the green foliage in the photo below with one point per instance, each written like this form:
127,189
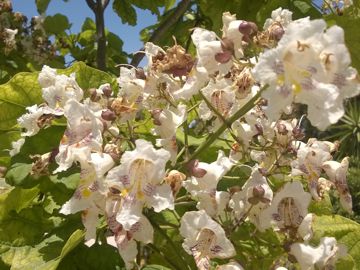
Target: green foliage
125,11
347,131
345,231
42,5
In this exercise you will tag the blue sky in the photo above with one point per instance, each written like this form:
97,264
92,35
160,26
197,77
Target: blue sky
77,11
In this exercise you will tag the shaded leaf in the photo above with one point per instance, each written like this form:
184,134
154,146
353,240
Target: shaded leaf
125,11
56,24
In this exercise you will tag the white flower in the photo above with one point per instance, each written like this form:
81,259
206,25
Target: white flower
202,185
58,89
232,33
87,197
36,118
47,76
138,179
323,257
124,240
279,16
166,122
82,135
309,162
221,95
337,174
207,47
310,65
194,82
10,37
255,192
29,120
16,146
204,239
288,211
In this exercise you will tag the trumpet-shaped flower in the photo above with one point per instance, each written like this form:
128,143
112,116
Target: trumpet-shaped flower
124,240
166,122
204,238
58,89
255,191
323,257
288,211
88,197
309,162
202,185
138,178
310,65
82,135
337,174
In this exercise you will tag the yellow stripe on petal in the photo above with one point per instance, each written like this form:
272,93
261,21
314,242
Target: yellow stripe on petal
296,88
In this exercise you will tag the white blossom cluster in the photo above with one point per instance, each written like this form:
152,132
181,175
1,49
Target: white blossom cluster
302,61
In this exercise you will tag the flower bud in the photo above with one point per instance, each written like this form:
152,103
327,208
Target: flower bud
156,116
258,191
140,74
108,115
281,129
93,95
247,28
223,57
194,170
107,91
298,133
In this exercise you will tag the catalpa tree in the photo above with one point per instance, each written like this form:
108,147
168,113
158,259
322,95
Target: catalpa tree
194,161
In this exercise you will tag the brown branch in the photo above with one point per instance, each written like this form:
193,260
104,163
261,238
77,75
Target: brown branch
91,4
163,28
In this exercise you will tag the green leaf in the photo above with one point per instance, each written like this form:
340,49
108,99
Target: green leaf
16,199
42,5
18,174
92,258
344,230
17,94
323,207
125,11
88,24
88,77
74,240
56,24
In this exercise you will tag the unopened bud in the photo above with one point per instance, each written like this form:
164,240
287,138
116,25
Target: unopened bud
93,95
298,133
156,116
247,28
281,129
140,74
195,170
108,115
277,32
223,57
107,91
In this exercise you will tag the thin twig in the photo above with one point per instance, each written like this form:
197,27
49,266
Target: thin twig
163,28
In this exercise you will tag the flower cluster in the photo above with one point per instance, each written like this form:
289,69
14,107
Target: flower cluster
239,100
